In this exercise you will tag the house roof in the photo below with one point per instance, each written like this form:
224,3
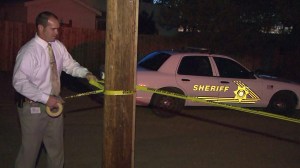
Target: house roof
88,4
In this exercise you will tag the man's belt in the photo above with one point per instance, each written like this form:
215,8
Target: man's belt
55,112
20,99
29,101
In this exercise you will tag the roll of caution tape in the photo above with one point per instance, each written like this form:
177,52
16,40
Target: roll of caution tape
56,112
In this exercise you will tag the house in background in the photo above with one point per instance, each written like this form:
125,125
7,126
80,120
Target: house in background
72,13
89,14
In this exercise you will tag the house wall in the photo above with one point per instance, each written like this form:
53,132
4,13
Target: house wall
65,10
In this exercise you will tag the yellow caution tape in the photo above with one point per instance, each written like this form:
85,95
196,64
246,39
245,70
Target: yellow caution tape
118,92
85,94
100,86
246,110
97,84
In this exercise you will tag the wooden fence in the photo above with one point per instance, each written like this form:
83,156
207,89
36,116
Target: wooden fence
13,36
85,45
80,41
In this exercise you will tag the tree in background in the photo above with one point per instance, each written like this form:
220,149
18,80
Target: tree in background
146,23
258,28
232,19
219,15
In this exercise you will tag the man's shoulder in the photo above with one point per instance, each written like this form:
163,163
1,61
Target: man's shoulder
31,44
59,43
32,47
28,44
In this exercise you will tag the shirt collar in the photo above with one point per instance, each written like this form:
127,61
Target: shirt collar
42,42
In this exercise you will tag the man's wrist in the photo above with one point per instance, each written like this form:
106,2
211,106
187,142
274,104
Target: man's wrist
88,74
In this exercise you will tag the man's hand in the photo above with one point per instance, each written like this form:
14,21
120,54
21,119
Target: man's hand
53,101
54,106
89,76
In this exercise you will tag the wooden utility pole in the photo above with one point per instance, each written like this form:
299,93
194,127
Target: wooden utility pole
120,74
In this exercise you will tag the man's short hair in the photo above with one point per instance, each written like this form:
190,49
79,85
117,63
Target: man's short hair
43,17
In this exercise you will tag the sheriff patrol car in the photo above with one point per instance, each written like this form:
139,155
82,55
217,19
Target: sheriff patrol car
213,78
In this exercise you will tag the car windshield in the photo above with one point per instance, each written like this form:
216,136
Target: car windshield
154,60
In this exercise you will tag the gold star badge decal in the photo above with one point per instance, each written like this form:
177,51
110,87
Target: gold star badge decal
241,93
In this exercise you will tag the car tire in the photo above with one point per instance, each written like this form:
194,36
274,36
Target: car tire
167,106
283,102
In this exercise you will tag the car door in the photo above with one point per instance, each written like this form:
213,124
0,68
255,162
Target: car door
196,77
243,87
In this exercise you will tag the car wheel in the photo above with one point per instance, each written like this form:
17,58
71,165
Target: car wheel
283,102
167,106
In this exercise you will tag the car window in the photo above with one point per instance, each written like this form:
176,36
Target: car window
153,61
195,65
231,69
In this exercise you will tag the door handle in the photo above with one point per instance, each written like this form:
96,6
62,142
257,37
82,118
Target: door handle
185,80
225,82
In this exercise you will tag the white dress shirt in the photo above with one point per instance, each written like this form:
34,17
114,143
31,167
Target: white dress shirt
31,76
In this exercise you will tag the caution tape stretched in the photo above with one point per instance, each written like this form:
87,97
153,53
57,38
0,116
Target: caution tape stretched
100,86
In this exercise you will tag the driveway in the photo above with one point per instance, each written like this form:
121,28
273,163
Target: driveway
208,138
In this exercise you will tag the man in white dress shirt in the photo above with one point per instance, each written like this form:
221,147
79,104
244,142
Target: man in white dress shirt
31,79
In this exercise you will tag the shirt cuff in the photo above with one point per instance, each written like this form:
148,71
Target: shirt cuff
44,98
